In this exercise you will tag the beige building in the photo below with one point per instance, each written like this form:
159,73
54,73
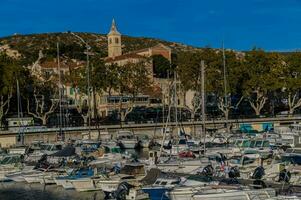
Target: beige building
107,104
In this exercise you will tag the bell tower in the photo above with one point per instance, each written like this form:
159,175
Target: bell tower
114,41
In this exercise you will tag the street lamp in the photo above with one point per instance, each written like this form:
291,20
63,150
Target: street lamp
87,52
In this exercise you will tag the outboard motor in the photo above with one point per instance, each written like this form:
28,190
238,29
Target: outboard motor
121,192
285,176
42,163
168,146
208,170
234,172
258,173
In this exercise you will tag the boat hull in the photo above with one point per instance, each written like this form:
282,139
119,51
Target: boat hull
84,185
157,193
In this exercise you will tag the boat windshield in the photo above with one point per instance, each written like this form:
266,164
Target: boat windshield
51,147
9,160
246,143
182,141
291,159
266,143
297,151
125,137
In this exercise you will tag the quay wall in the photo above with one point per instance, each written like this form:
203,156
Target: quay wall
9,138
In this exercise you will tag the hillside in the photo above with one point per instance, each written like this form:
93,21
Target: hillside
27,47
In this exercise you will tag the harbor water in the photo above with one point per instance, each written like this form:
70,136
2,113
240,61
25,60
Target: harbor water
23,191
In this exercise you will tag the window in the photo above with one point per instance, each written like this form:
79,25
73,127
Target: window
71,91
163,183
110,41
116,40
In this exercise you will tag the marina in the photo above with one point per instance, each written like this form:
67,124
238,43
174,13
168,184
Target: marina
247,166
203,102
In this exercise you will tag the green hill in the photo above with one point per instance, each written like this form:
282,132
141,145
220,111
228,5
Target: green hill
28,46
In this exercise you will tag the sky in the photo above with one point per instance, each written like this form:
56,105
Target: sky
273,25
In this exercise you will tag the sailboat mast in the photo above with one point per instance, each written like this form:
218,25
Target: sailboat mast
60,91
225,86
203,103
21,134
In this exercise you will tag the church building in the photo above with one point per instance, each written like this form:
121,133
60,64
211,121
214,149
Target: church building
107,104
115,50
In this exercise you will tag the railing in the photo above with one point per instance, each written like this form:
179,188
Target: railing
42,129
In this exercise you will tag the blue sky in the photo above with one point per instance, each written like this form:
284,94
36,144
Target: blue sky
242,24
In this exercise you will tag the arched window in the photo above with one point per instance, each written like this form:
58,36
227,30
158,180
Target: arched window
116,40
110,40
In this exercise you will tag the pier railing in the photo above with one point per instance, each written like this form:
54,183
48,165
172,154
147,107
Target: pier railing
212,122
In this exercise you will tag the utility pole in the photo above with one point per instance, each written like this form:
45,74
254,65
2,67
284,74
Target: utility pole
203,104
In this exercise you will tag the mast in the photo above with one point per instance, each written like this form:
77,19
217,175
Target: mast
176,100
225,89
60,92
20,115
89,93
203,103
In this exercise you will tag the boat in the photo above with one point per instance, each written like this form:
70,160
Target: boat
9,163
127,140
234,194
85,184
19,175
252,147
160,189
191,185
144,141
136,194
66,181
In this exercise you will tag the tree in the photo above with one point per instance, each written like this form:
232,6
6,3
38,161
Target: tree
261,72
234,77
10,71
189,71
77,79
133,79
291,81
42,99
161,65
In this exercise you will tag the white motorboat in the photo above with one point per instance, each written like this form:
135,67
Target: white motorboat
110,184
85,184
9,163
234,194
19,175
33,178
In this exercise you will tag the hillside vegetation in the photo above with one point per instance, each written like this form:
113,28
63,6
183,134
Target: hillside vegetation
28,46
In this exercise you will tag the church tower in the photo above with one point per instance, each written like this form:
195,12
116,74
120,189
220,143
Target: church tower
114,41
